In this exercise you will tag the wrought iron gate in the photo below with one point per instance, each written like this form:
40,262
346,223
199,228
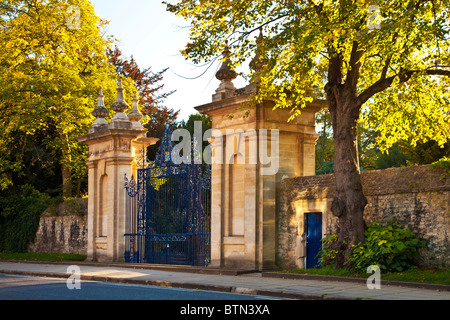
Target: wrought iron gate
169,216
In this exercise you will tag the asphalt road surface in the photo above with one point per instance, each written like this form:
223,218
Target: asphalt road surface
32,288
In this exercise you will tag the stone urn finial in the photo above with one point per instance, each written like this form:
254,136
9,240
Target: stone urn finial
259,60
226,75
120,106
100,112
135,115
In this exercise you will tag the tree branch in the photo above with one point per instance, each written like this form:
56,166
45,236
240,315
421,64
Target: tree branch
387,63
438,72
385,68
247,33
404,76
378,86
335,67
354,67
334,78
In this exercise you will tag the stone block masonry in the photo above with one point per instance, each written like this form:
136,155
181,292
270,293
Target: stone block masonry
113,151
62,229
418,197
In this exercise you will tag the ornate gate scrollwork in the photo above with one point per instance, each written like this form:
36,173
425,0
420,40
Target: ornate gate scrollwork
169,211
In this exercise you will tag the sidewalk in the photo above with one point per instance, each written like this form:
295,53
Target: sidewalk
267,284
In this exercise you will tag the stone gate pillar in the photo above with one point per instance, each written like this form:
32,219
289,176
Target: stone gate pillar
113,148
254,153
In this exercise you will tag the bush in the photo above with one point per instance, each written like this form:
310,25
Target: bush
443,163
327,255
20,213
391,247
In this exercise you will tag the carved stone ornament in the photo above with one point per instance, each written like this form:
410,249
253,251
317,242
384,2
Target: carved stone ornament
120,106
100,112
135,115
225,72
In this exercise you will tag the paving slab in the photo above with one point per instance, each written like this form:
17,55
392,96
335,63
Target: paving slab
240,283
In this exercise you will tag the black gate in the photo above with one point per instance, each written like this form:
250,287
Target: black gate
169,216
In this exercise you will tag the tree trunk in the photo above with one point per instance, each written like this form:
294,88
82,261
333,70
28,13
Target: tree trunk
67,185
77,194
349,202
65,167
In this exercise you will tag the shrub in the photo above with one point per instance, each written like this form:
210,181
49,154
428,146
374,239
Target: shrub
391,247
443,163
19,218
327,254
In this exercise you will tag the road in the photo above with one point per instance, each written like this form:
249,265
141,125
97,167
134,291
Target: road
33,288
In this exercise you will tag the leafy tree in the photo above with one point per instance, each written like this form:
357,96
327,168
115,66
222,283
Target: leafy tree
161,117
19,218
148,86
41,166
147,83
52,61
426,152
387,64
393,157
372,156
189,125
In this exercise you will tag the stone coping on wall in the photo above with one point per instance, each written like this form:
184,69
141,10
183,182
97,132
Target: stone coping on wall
417,197
378,182
76,206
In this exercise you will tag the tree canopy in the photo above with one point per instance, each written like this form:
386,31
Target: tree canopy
387,64
54,57
149,87
386,53
52,62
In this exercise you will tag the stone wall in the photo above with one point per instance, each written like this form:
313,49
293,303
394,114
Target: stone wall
418,197
62,229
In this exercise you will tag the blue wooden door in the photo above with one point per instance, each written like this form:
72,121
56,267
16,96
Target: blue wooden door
314,239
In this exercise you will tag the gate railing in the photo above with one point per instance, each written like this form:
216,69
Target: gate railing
169,212
163,249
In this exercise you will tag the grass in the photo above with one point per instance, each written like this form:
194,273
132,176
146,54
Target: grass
42,256
415,274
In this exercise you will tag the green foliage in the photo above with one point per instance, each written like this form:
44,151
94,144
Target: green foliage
399,75
50,73
325,167
51,68
391,247
425,153
414,274
393,77
393,157
19,217
327,254
443,163
206,124
421,275
372,155
42,256
189,124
